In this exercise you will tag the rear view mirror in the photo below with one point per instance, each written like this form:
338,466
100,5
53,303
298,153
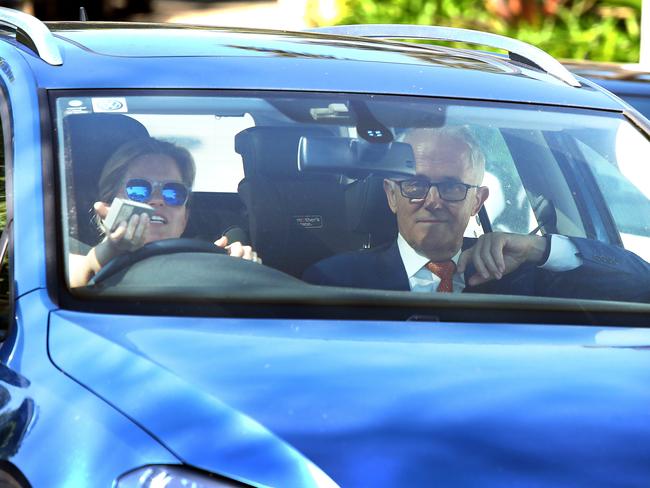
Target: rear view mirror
353,157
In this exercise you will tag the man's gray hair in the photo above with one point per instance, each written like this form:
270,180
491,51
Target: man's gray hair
439,134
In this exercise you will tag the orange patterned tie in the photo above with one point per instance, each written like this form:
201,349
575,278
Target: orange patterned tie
445,271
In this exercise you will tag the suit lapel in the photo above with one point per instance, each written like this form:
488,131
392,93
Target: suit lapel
391,269
468,242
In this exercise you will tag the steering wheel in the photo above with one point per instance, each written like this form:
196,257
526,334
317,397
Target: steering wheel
156,248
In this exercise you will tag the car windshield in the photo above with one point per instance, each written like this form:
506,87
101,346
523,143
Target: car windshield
303,177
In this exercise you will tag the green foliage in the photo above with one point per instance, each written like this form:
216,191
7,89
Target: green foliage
599,30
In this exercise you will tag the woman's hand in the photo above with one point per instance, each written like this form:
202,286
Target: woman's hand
127,236
238,250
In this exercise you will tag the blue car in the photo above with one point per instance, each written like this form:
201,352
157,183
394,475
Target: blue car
210,236
630,82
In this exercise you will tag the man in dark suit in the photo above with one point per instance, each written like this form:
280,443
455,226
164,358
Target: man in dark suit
430,255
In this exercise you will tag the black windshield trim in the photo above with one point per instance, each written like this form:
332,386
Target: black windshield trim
319,302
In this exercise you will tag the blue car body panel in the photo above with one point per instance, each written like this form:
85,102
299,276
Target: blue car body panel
60,419
629,82
375,404
193,422
19,82
295,402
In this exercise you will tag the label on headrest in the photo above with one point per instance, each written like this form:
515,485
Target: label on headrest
309,221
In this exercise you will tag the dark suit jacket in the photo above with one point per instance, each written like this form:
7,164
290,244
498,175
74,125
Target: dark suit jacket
607,273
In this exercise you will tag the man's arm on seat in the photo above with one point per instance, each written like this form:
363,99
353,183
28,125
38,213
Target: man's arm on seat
567,267
607,272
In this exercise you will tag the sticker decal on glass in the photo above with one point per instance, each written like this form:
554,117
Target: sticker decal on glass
77,106
113,104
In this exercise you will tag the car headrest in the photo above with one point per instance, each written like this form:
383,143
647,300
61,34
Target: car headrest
90,140
368,211
272,151
93,138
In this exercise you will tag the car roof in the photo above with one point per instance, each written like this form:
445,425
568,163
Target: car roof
136,55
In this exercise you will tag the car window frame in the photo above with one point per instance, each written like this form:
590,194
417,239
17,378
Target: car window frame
334,304
591,203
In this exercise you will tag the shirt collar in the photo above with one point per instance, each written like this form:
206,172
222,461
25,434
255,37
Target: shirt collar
413,261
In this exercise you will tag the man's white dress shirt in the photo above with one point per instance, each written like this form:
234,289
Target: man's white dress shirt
562,257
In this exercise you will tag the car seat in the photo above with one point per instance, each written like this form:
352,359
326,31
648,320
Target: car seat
368,213
294,218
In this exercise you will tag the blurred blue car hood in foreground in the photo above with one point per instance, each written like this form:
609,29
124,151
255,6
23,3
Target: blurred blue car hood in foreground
275,402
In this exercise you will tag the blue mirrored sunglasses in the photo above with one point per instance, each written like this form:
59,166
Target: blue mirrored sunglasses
141,190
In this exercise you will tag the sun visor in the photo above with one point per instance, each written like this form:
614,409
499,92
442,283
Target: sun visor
354,158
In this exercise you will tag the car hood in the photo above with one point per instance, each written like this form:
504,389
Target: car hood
313,403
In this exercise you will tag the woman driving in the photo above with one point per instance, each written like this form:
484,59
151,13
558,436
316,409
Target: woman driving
151,171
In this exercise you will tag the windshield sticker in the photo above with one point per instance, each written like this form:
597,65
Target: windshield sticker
114,104
77,106
309,221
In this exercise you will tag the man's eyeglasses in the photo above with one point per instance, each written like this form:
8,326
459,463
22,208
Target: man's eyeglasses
173,193
449,191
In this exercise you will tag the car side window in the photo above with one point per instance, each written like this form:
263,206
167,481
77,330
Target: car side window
628,197
508,207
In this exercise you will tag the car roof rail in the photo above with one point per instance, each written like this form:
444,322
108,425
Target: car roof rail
517,50
32,33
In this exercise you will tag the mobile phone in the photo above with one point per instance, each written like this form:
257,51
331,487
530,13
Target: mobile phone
122,209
